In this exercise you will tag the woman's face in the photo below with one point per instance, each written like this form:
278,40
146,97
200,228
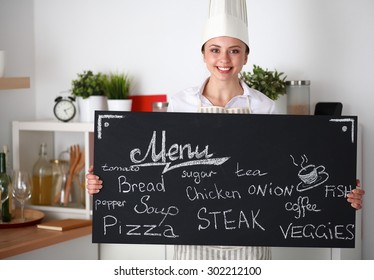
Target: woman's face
225,57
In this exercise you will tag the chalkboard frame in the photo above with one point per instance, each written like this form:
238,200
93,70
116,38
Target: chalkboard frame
119,134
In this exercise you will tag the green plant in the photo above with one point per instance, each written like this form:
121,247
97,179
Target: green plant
270,83
116,86
88,84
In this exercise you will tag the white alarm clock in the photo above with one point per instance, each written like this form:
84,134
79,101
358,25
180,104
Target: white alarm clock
64,109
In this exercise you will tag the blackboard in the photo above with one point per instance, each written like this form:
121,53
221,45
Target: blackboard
219,179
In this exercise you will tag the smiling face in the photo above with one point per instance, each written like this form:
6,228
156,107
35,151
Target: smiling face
225,57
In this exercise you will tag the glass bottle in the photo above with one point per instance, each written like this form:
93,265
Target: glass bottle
298,97
59,170
4,190
160,106
42,179
12,202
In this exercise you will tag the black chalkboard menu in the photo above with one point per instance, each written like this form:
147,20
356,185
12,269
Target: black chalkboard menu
219,179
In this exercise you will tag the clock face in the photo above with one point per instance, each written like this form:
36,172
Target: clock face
64,110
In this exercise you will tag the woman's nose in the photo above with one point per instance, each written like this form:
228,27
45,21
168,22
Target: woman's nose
224,56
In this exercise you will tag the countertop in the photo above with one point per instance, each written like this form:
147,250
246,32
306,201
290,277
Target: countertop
14,241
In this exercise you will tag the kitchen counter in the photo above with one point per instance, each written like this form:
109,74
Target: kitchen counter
15,241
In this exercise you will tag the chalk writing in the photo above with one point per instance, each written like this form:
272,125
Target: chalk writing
320,231
301,206
144,208
197,175
151,230
112,225
174,152
125,187
195,193
214,179
132,168
269,189
226,219
337,191
109,204
249,172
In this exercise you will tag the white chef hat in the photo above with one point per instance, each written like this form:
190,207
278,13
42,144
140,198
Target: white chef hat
227,18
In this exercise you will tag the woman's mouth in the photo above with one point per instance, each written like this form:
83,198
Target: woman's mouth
223,69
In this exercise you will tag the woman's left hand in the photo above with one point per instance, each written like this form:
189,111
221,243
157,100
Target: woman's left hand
355,197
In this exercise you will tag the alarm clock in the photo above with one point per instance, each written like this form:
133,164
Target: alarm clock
64,109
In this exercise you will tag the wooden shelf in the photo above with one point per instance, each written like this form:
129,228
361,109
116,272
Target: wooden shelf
14,82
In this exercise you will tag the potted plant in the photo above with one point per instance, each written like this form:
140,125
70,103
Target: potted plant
270,83
117,89
89,90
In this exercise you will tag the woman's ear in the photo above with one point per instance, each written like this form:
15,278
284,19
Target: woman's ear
203,55
245,59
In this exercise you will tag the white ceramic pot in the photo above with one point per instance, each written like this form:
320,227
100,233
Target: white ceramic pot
119,104
83,109
88,106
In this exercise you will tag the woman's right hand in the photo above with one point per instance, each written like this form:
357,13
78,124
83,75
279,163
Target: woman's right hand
93,182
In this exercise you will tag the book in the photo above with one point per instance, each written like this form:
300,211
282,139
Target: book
65,224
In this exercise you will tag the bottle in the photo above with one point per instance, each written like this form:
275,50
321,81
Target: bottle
59,170
12,202
42,179
4,188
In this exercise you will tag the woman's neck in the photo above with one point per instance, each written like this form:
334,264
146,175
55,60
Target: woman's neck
219,93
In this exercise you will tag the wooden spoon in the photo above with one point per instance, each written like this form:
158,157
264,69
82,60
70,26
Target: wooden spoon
75,155
80,164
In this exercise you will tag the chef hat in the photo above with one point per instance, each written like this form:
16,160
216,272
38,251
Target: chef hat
227,18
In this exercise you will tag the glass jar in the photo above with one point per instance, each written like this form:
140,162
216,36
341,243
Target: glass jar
42,179
160,106
298,97
59,171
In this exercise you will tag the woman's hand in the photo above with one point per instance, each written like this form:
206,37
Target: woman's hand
93,182
355,197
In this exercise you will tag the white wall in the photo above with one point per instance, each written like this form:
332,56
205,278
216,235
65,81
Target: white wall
148,39
330,43
17,39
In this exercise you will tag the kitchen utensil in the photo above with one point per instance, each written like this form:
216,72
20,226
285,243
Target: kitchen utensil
75,155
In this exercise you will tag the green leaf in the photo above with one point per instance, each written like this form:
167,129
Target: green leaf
270,83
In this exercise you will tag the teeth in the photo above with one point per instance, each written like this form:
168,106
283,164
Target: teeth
224,68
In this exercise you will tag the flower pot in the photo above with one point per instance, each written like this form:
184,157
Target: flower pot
119,104
88,106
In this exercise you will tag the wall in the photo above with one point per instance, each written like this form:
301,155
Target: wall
158,42
17,39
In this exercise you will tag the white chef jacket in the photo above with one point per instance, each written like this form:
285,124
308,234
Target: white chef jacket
191,100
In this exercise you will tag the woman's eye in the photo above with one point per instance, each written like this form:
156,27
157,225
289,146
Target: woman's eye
234,51
214,50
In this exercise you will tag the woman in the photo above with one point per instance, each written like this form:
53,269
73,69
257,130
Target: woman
222,92
225,51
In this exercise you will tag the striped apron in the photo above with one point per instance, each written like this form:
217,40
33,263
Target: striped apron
202,252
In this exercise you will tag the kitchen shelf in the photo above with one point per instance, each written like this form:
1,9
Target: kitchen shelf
27,136
14,82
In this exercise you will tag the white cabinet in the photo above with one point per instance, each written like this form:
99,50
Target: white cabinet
59,136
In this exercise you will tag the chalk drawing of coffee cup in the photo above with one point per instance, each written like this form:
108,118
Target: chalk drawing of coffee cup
311,176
